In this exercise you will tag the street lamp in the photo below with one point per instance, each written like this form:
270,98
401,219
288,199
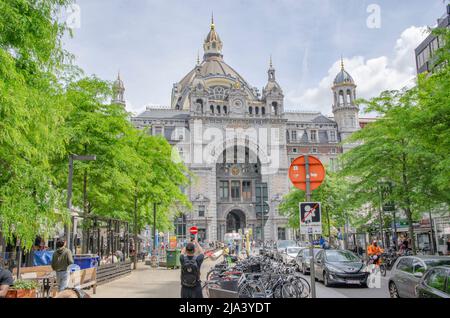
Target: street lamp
72,158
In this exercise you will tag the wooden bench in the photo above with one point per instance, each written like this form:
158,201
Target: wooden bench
33,272
84,279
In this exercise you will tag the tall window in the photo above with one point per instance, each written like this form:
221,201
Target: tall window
313,135
235,190
332,135
158,131
262,196
223,190
201,211
294,135
247,190
281,233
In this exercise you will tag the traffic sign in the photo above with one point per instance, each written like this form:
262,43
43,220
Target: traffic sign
299,175
310,218
193,230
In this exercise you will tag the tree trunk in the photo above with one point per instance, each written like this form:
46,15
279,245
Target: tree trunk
85,245
408,204
135,231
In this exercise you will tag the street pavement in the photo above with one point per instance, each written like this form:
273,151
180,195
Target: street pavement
148,282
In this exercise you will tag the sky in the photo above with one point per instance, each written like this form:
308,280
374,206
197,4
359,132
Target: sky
154,43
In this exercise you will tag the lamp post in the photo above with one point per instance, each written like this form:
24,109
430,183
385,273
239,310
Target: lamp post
72,158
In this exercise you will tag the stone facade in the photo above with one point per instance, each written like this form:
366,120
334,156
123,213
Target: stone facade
238,142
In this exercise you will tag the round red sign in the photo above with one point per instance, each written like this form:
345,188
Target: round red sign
298,173
193,230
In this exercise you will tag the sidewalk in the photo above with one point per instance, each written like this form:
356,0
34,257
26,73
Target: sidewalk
147,282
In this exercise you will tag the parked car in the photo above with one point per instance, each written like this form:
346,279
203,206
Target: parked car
281,247
340,267
303,259
290,253
435,283
408,271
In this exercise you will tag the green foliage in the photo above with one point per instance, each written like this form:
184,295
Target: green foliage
32,110
48,113
408,145
332,194
25,284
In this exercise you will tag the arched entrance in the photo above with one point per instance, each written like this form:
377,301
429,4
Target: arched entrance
235,221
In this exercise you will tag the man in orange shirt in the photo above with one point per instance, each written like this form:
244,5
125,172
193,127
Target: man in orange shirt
374,252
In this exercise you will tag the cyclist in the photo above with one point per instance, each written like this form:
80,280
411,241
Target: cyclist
374,252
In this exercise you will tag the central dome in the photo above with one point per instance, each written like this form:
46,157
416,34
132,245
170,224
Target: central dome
210,73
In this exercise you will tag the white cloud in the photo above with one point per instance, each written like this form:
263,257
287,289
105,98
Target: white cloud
371,75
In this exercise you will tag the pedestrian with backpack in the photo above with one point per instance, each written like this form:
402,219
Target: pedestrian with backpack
190,270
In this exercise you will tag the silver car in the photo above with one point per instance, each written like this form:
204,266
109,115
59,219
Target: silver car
408,271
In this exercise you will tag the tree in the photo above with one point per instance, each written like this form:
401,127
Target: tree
332,194
408,145
32,111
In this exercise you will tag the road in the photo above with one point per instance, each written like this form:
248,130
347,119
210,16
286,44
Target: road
147,282
344,291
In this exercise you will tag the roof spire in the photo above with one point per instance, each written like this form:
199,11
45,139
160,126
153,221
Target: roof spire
270,64
198,58
342,62
212,20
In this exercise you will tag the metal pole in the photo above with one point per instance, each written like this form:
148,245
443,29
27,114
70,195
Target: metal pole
433,248
395,232
69,201
311,236
381,216
154,227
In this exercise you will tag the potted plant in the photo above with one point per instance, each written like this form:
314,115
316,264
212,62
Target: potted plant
23,289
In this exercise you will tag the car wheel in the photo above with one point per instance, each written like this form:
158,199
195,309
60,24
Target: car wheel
393,291
326,279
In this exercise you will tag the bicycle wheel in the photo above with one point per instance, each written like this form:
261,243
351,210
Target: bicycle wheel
249,289
304,286
289,290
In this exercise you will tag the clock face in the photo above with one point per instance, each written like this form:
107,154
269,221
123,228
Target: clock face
238,106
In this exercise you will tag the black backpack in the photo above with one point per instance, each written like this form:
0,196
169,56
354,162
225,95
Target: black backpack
190,272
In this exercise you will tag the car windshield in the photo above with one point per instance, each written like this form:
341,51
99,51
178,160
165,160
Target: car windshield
341,256
284,244
307,252
436,262
293,250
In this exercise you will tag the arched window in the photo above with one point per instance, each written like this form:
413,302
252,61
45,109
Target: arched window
200,105
250,110
263,110
225,109
218,109
335,98
275,108
212,109
341,97
256,110
349,96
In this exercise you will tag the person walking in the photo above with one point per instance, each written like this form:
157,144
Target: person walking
190,270
61,260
